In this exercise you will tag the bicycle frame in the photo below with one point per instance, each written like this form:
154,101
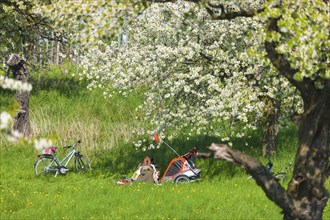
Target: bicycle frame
61,164
67,158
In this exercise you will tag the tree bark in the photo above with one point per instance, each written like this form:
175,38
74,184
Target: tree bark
312,159
21,73
271,123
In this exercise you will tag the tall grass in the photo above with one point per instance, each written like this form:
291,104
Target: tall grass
62,108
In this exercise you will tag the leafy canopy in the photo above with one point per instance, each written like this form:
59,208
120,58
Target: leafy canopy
196,71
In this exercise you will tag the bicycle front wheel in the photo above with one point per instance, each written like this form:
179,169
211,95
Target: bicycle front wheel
46,166
82,163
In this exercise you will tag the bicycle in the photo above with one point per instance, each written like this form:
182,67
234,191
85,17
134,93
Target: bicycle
48,162
281,176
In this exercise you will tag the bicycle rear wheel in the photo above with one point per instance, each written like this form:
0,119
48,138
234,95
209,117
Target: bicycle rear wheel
82,163
46,166
280,176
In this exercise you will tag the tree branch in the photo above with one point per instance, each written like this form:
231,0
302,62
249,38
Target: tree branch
274,191
221,11
306,86
32,22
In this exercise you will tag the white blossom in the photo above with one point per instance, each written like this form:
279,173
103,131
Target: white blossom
5,120
42,143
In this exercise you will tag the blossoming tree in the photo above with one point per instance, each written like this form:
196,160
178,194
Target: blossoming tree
196,72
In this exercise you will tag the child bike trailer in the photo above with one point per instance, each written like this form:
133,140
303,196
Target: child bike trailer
181,169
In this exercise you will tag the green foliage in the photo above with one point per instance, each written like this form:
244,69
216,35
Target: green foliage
20,27
302,36
10,104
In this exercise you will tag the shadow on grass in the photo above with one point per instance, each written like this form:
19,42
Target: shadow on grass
68,86
122,161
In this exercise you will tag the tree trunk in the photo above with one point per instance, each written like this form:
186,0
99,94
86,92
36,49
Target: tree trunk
271,115
312,159
20,72
306,188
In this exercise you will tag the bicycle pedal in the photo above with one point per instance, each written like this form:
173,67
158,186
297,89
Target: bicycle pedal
63,170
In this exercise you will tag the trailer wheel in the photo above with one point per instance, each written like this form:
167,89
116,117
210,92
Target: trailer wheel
181,180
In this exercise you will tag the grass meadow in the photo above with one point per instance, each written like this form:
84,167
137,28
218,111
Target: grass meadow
62,108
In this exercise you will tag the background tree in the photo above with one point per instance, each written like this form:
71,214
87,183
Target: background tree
20,72
20,32
195,72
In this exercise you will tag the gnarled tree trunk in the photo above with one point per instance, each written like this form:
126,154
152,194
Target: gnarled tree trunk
21,73
312,159
306,188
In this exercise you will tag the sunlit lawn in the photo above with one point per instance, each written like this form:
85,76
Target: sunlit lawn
96,196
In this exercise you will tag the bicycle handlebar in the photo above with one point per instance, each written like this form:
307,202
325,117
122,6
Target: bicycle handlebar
67,147
192,153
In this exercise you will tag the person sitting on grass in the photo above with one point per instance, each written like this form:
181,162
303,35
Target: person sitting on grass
146,172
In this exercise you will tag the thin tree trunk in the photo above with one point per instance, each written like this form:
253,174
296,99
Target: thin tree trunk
58,53
271,123
20,72
40,44
52,50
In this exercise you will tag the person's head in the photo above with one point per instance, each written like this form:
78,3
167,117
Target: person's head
147,160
